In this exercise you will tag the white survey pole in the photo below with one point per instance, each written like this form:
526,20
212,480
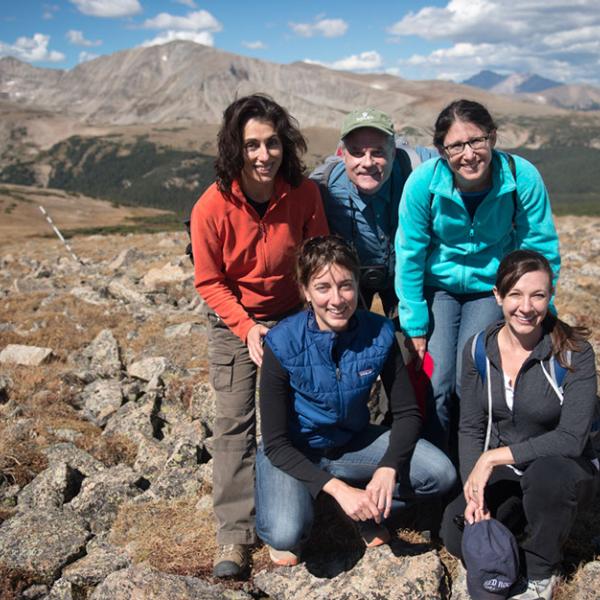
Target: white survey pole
59,234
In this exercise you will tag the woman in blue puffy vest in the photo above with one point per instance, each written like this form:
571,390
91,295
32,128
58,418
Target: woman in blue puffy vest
317,373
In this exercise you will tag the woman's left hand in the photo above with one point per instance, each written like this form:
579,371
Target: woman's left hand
381,487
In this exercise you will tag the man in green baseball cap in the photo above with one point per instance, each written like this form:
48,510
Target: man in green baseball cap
361,192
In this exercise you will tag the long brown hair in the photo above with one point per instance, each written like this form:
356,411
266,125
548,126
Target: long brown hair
565,338
230,157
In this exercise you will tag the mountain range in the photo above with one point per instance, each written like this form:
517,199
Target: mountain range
535,88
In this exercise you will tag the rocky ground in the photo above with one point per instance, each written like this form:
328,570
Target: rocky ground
105,463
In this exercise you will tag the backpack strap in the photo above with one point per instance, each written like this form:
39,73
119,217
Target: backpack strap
478,354
322,173
513,170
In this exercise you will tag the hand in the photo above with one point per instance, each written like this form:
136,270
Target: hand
417,347
475,485
254,341
356,503
380,489
473,514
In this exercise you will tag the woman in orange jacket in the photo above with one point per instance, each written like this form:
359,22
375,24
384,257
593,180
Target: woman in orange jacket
245,231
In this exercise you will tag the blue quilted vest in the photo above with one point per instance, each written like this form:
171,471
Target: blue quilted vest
331,374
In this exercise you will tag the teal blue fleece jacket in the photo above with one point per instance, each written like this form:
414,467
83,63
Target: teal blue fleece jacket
438,245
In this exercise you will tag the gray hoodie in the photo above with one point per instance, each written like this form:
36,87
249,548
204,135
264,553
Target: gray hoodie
537,426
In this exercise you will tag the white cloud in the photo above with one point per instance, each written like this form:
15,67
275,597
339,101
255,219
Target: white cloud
196,27
257,45
194,21
188,3
559,39
199,37
33,49
325,27
108,8
76,37
49,10
84,56
365,61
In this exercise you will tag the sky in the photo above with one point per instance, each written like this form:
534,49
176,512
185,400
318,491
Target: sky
421,39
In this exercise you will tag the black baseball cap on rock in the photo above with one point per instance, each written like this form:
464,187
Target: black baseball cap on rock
491,557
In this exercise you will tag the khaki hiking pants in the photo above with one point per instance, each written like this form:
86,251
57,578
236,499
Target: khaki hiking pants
233,377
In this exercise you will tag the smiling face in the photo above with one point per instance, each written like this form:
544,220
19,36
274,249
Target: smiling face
263,153
333,293
526,304
471,168
369,157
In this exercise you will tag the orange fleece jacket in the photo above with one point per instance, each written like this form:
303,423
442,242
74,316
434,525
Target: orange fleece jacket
244,265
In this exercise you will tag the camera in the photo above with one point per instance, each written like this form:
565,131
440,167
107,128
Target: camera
373,277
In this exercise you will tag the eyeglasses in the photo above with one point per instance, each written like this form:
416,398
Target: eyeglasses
476,143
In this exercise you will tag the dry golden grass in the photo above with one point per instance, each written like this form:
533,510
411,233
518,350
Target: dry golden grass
173,536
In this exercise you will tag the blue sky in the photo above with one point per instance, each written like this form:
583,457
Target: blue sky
423,39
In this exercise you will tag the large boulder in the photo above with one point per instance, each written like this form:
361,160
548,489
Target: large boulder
385,572
100,400
148,368
76,458
103,493
145,583
28,356
102,559
54,486
101,356
42,542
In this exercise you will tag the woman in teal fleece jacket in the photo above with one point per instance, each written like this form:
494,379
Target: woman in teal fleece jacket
459,216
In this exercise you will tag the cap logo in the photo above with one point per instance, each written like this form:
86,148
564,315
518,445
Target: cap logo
365,117
493,585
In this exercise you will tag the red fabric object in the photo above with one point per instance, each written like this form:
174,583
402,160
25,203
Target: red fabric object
421,380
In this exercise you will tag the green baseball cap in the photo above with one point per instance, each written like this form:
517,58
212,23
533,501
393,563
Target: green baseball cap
367,117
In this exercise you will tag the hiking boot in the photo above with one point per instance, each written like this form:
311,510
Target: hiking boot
283,558
373,534
535,589
231,560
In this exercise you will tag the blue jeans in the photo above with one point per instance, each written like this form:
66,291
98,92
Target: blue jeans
453,319
284,506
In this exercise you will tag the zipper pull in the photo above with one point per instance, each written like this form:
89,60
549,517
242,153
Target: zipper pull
338,374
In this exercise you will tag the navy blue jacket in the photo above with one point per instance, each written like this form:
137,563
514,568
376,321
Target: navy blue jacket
330,374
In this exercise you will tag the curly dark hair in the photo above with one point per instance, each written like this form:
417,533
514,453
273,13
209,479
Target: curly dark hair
230,158
468,111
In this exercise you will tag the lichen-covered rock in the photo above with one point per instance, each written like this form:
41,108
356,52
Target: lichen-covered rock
35,591
42,542
151,458
28,356
63,590
202,406
175,482
148,368
135,420
184,329
123,290
101,560
586,584
69,453
100,400
145,583
160,277
381,573
102,493
54,486
459,584
101,356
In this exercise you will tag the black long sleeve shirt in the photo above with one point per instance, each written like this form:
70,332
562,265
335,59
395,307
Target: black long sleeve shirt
276,402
